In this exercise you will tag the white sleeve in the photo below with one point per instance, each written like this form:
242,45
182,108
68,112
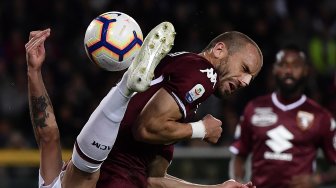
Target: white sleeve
55,184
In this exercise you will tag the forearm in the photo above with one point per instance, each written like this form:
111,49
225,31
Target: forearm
40,108
237,168
164,132
325,177
159,122
172,182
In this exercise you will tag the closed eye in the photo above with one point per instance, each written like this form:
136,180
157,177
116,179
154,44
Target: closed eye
246,69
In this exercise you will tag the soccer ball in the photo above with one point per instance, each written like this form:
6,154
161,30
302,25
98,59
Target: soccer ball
112,40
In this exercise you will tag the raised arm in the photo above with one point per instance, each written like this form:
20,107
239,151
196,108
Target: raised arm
41,110
157,123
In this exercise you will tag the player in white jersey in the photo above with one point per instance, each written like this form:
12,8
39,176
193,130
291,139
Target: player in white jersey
78,173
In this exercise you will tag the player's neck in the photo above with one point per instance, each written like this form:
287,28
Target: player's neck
207,56
288,98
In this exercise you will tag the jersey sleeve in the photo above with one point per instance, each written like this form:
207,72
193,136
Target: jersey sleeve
190,82
328,138
243,135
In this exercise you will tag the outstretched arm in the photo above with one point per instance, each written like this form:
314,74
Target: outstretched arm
172,182
158,178
41,110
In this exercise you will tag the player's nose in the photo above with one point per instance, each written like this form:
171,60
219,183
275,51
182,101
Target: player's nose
245,80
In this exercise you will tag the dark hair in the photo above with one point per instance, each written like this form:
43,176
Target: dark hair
294,48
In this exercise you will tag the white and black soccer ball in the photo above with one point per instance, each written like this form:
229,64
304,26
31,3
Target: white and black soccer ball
112,40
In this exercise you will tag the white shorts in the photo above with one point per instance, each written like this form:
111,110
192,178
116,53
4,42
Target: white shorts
55,184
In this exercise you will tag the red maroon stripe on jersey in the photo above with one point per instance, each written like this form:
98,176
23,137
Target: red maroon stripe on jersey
85,157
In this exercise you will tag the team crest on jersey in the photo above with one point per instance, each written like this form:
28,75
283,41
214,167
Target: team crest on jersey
211,75
263,117
196,92
304,119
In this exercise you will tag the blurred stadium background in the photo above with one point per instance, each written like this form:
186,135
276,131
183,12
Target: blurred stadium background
76,85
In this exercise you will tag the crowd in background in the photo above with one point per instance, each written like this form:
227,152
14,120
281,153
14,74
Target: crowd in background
76,85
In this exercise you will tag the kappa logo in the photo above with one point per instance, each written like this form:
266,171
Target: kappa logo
196,92
211,75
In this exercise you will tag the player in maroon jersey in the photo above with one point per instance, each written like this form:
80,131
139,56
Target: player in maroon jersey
152,120
159,116
283,131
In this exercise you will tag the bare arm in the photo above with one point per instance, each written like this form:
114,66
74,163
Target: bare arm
157,122
173,182
41,110
158,178
237,167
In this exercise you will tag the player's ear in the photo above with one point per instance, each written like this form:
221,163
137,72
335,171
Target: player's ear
220,50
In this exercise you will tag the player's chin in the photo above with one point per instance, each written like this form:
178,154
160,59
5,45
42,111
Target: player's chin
219,93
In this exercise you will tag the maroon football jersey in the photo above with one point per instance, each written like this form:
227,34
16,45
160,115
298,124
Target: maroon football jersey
190,79
284,139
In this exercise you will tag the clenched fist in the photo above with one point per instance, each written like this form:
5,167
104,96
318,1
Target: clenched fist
213,128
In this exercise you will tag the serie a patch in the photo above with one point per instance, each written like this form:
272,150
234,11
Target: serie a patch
196,92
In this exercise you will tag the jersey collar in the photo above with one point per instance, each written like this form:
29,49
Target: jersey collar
287,107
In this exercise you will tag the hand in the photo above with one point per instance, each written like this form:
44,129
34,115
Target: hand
233,184
303,181
250,185
35,51
213,128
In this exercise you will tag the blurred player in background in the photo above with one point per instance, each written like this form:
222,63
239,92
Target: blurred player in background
284,130
157,115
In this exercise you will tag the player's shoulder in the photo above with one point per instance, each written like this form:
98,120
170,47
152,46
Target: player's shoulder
316,107
324,115
192,60
261,100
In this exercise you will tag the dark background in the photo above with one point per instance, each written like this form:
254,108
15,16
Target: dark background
76,85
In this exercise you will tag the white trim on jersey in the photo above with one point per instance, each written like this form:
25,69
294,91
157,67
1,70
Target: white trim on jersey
157,80
180,103
55,184
177,53
291,106
233,150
